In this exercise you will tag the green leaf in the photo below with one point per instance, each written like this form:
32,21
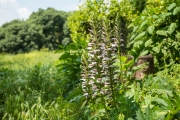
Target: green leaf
164,15
151,29
137,43
155,16
163,91
171,6
123,59
132,36
121,117
156,49
148,42
164,52
64,56
101,111
160,101
61,47
140,115
143,23
144,53
171,28
155,60
140,35
134,53
176,10
135,29
161,32
131,25
72,46
178,35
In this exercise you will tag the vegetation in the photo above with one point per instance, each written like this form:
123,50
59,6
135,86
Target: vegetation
34,89
44,29
93,78
23,61
156,32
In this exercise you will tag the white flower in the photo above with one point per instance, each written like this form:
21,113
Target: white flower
95,51
91,55
89,48
113,54
106,83
86,94
94,63
103,44
91,82
94,87
83,79
83,75
100,57
121,40
106,59
92,77
109,49
90,65
114,45
90,44
102,48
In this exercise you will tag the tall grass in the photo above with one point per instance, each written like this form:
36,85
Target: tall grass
31,88
28,60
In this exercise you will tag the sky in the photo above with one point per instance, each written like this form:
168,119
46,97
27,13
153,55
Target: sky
21,9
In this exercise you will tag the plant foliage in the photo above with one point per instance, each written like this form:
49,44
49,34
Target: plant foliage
44,29
156,32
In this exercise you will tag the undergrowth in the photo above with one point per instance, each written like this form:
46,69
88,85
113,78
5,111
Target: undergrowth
36,90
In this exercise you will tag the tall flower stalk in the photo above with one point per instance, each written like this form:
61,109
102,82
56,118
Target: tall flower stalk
99,76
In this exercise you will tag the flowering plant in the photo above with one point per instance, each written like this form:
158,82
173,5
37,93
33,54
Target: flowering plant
101,76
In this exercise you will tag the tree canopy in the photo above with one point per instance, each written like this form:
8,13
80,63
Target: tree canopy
44,29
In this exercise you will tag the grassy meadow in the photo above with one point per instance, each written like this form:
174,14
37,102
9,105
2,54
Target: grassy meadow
28,60
31,88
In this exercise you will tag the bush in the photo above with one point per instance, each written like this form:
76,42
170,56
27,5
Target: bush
156,32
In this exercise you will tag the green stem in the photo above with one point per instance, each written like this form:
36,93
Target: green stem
104,104
112,90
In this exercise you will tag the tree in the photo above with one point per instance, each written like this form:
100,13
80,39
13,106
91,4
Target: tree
44,29
51,23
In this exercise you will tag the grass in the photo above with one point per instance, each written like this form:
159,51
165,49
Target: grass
28,60
31,87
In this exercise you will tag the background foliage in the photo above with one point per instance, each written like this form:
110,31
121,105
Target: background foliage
44,29
156,32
